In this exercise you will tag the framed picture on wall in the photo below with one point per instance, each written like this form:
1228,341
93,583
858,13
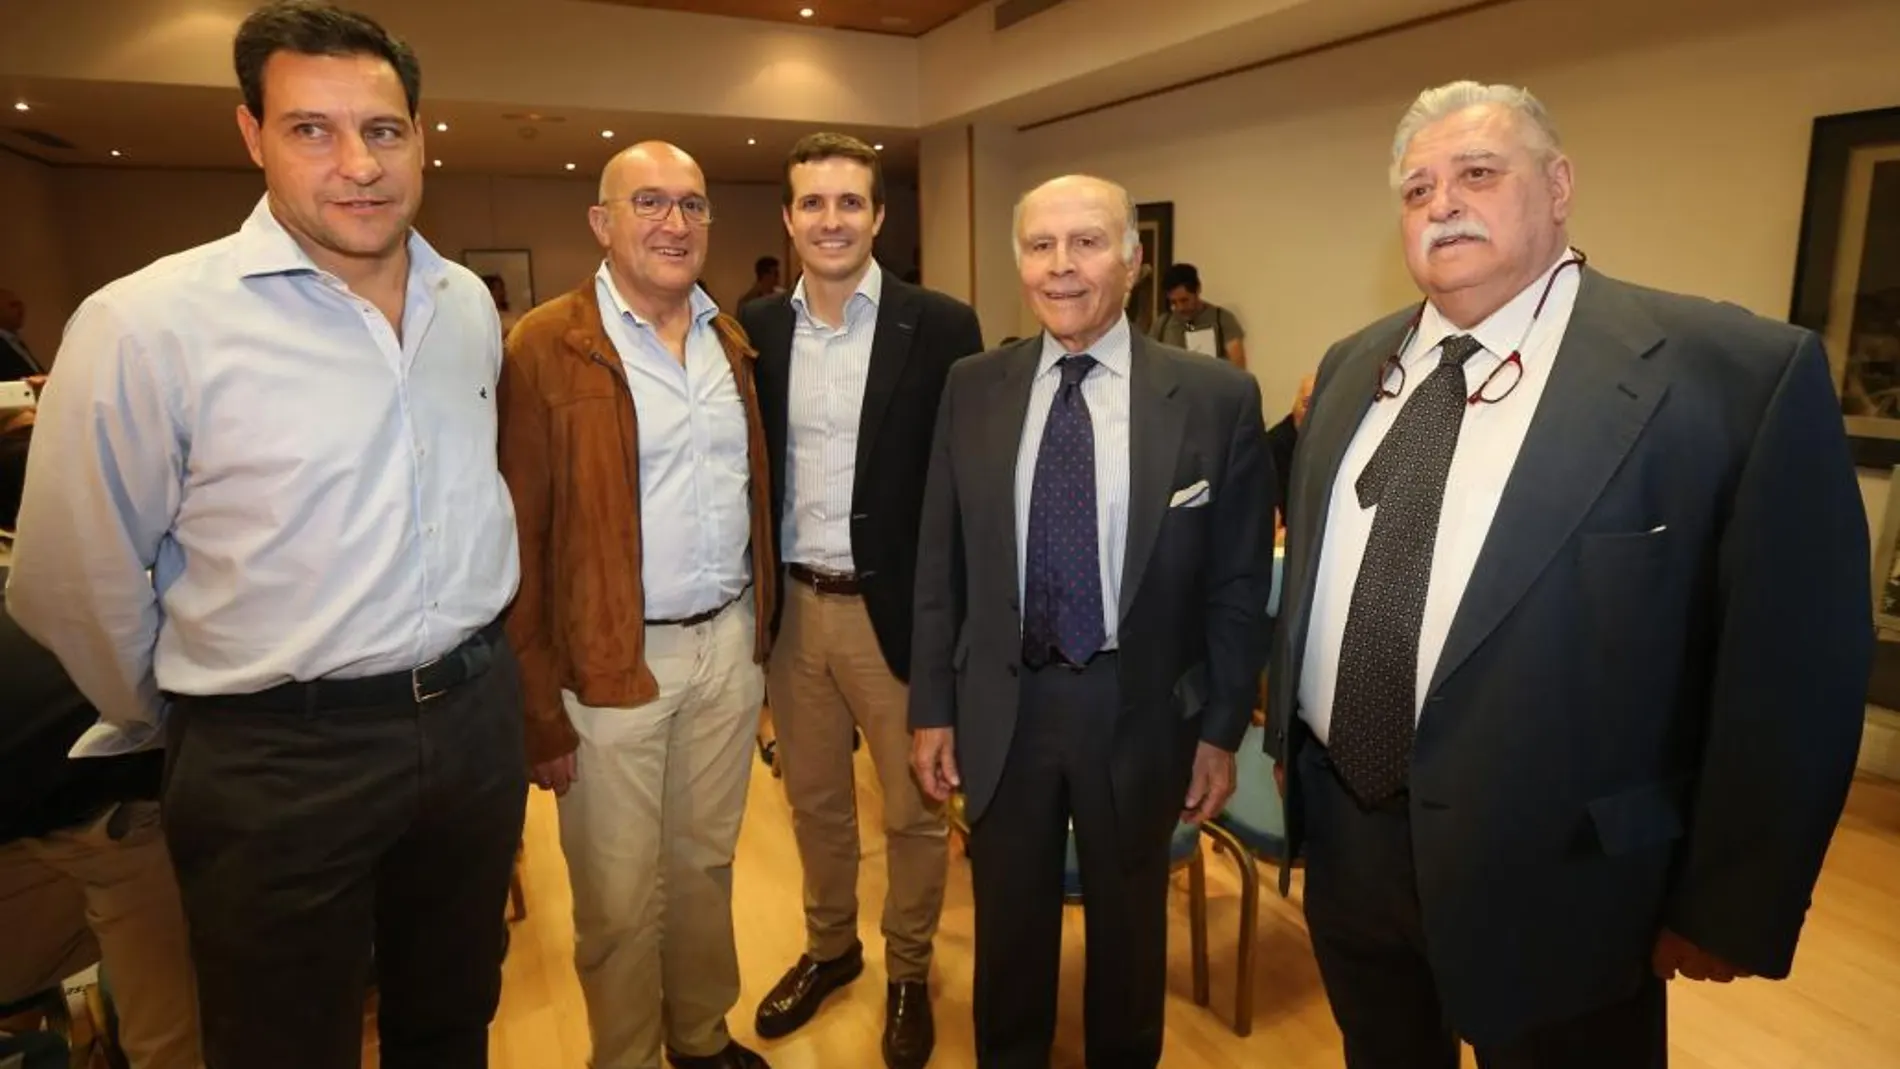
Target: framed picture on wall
1847,271
1155,224
509,275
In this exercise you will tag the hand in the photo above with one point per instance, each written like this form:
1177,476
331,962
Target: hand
1674,954
1279,779
36,383
933,757
556,775
1212,785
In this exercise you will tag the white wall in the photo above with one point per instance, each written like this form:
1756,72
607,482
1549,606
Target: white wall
97,224
32,261
1689,125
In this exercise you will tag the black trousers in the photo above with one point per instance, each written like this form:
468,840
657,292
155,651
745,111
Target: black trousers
1058,772
313,848
1368,933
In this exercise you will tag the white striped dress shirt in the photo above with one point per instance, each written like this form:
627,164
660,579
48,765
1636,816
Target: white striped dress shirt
830,366
1106,391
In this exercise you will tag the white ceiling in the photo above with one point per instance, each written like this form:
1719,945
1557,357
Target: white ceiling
175,126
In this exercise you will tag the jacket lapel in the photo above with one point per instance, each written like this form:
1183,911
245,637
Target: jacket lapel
1600,396
1156,421
1330,426
1002,435
890,353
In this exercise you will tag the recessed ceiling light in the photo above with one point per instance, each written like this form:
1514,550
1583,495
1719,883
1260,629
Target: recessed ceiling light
438,163
441,128
116,153
751,140
805,12
22,106
879,147
570,166
608,134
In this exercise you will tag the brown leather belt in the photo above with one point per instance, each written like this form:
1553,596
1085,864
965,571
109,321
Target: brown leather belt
699,617
845,585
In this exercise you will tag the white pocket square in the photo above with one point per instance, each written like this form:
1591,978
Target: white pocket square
1191,497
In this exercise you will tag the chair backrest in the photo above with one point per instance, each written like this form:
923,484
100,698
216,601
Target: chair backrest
1256,814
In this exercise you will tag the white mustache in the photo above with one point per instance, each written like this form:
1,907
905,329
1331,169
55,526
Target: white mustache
1457,228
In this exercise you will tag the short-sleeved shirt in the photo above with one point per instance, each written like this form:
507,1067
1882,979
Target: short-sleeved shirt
1173,330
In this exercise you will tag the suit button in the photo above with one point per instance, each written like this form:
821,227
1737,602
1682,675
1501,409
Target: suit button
1012,669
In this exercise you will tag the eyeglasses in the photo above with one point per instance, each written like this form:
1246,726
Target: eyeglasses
1496,386
653,204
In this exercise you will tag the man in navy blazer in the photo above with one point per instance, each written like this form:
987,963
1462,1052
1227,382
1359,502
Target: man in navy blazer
1626,624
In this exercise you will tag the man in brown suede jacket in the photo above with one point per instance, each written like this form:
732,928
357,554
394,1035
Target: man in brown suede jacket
631,399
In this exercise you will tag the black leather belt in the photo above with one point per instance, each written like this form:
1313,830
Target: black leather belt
417,685
840,583
699,617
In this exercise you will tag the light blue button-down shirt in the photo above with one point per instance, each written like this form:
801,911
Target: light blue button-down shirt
313,497
830,366
1106,391
695,467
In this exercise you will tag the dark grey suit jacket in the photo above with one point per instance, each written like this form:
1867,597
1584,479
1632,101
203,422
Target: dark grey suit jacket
919,334
1195,581
1648,708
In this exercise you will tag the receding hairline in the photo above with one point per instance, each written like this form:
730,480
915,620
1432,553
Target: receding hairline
654,151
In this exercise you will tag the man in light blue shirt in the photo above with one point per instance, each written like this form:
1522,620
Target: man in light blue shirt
631,440
264,514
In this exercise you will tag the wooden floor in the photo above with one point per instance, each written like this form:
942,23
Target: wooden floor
1840,1010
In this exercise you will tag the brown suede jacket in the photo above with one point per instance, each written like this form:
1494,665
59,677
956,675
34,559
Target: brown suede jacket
570,454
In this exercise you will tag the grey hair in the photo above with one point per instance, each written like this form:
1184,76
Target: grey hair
1131,222
1442,101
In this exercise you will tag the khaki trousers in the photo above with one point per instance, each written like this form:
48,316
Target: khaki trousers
649,829
104,891
827,675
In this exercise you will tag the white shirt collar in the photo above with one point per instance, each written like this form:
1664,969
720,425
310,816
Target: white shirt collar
1500,332
870,288
266,248
1112,351
703,307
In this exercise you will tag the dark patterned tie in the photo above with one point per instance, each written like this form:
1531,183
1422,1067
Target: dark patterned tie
1375,701
1062,603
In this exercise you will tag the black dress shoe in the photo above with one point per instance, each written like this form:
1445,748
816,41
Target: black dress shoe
733,1057
909,1034
796,997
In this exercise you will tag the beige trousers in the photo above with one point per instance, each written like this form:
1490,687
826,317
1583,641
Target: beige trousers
649,829
104,891
827,675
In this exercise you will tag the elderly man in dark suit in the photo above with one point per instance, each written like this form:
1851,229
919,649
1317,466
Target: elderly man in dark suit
1575,634
1092,580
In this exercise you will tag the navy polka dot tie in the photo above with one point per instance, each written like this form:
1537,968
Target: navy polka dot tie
1062,603
1375,701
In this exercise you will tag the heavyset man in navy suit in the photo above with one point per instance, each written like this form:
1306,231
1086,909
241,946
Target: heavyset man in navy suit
1576,631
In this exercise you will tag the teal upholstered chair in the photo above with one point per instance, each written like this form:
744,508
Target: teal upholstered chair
1252,830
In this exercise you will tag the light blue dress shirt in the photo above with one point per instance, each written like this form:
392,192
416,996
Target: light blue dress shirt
241,477
695,464
830,366
1106,391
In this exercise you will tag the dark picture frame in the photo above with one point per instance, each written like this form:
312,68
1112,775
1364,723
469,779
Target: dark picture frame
1154,223
515,269
1847,271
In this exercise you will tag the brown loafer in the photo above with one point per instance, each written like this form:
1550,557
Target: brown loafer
909,1033
796,997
